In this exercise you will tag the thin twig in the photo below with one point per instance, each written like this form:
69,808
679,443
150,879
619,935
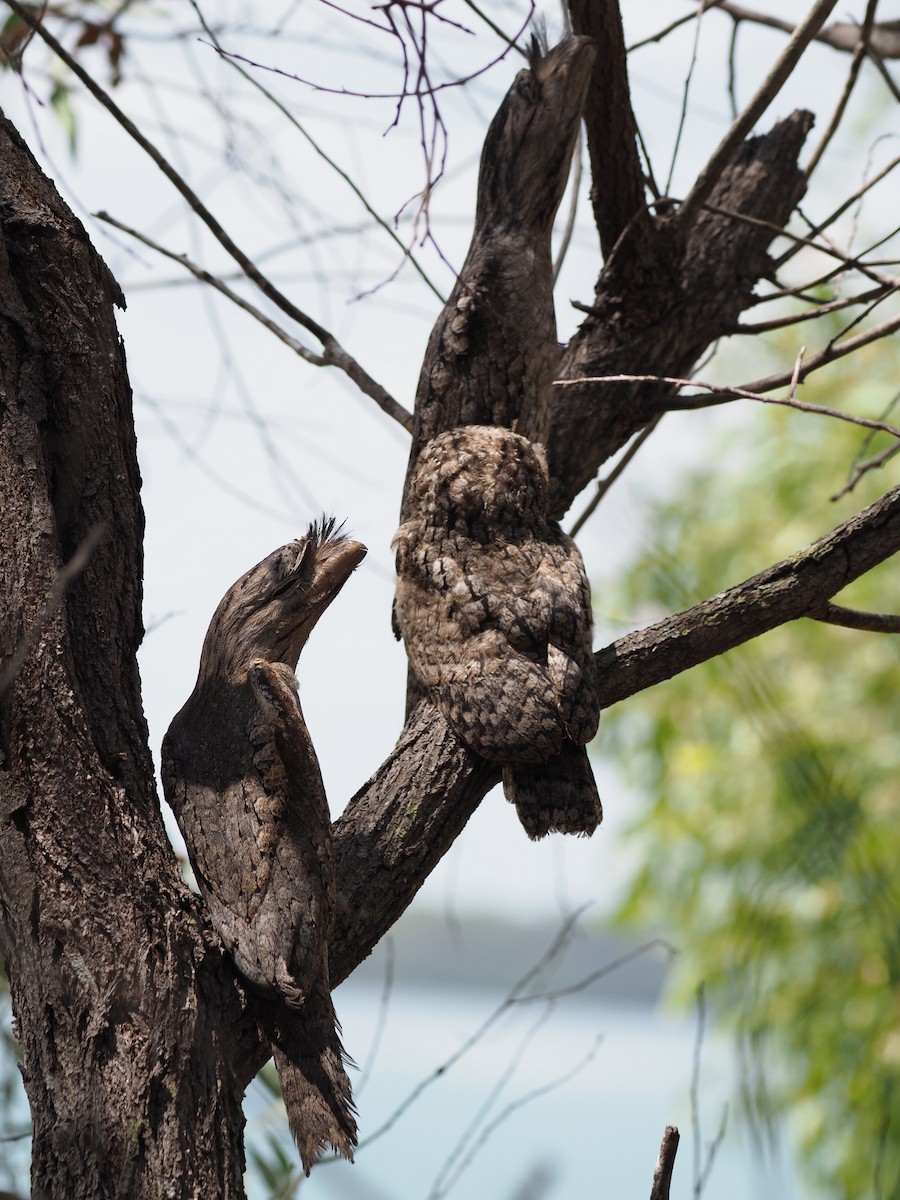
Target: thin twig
839,211
685,92
301,129
831,353
714,1147
695,1084
514,1106
332,349
859,53
720,395
732,72
387,990
768,90
495,28
556,947
461,1154
603,485
219,285
795,377
566,238
870,464
385,402
518,996
664,33
603,972
757,327
853,618
64,579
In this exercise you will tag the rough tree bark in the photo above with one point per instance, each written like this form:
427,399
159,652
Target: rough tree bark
132,1029
136,1040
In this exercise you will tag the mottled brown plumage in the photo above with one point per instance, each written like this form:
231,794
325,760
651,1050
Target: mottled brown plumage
241,775
495,611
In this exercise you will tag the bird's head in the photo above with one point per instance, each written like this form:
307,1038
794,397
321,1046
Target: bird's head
271,610
480,475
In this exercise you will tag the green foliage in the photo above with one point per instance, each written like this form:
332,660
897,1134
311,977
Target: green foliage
770,830
61,103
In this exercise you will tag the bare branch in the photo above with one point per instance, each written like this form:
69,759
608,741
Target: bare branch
795,587
685,93
842,35
384,401
852,618
472,1138
869,464
664,33
695,1084
819,310
617,194
569,227
482,15
235,62
840,210
768,90
795,379
519,992
514,1106
859,53
831,353
665,1163
331,347
720,395
606,483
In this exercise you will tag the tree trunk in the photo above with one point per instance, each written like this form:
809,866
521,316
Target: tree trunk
130,1022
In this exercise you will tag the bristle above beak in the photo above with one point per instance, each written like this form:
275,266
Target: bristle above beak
326,529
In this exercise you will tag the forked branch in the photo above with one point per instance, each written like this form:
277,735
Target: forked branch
401,823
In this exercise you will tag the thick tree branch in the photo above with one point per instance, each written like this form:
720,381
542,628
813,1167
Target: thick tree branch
661,301
617,194
493,349
399,824
796,587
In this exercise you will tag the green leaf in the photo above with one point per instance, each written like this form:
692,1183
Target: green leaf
770,822
61,103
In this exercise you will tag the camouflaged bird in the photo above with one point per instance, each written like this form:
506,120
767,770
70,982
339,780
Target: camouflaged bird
241,775
494,609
